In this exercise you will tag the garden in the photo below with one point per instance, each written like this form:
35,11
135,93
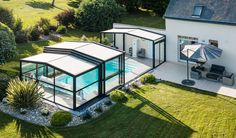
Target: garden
145,108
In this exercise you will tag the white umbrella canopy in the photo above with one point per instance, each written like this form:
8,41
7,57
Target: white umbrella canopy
202,52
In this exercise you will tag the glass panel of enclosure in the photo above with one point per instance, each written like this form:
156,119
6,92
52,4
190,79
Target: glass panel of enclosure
108,39
63,89
86,87
159,53
28,70
112,72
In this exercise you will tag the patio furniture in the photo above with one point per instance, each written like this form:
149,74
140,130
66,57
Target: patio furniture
228,79
195,74
130,51
216,72
141,53
200,52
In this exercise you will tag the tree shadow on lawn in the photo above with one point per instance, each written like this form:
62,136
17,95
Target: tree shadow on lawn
27,130
39,4
189,89
124,121
158,109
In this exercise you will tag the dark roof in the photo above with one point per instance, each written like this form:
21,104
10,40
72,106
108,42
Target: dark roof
214,11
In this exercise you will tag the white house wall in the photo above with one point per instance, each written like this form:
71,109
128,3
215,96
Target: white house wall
225,34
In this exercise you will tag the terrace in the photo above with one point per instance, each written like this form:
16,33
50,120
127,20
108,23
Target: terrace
176,72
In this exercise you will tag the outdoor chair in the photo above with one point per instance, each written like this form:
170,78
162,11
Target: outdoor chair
228,79
141,53
195,74
216,72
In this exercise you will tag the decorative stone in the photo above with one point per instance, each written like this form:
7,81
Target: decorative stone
108,103
44,112
5,101
23,111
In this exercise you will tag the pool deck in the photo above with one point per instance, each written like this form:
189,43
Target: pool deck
176,72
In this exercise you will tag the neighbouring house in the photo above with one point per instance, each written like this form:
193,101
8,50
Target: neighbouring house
202,21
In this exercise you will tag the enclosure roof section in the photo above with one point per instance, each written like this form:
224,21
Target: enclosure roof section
142,33
67,63
94,50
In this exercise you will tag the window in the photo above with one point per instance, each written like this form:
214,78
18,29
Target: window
185,40
213,42
197,11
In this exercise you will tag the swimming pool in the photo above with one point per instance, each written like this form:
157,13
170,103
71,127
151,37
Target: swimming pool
92,76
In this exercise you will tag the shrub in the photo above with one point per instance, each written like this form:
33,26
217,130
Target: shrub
61,29
43,26
118,96
34,33
61,118
18,26
74,3
98,15
21,36
148,78
130,5
158,6
7,42
86,116
66,17
7,17
108,103
52,28
23,94
98,109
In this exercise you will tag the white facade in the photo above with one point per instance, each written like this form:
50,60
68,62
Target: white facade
224,34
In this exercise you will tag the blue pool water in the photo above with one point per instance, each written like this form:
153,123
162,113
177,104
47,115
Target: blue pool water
92,76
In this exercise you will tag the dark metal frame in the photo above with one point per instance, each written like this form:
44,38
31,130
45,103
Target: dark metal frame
100,65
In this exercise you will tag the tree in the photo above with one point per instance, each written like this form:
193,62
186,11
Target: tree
53,3
98,15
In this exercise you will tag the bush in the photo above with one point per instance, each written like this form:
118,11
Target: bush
86,116
34,33
74,3
66,18
4,79
7,17
98,109
21,36
7,42
61,118
98,15
43,26
118,96
158,6
23,94
130,5
148,78
61,30
18,26
52,28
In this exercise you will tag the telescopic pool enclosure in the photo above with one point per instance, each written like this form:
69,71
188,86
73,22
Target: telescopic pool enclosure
73,73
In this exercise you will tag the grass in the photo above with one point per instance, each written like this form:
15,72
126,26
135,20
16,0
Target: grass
161,110
30,11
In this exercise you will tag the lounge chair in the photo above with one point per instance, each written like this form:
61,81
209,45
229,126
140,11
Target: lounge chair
141,53
216,72
228,79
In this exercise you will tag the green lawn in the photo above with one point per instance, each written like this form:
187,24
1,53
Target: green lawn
161,110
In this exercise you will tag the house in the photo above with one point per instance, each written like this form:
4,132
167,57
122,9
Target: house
202,21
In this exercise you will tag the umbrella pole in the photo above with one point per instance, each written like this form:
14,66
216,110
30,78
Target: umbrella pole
188,81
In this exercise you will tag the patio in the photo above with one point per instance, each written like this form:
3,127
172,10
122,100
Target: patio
176,72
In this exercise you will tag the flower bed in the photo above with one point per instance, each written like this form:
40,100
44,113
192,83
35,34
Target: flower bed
34,115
